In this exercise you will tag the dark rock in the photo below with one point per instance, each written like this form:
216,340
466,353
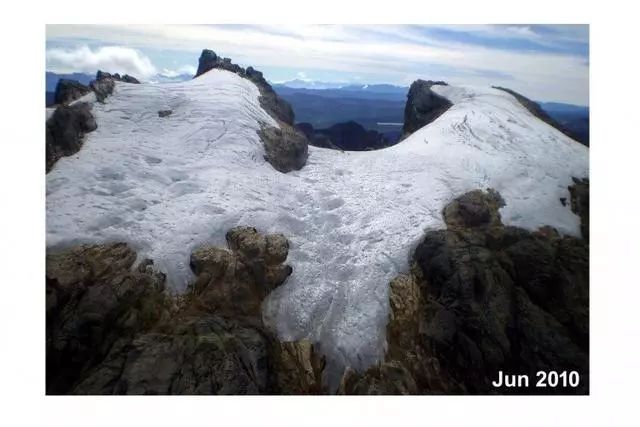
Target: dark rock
206,62
112,330
286,148
130,79
65,131
94,299
579,192
473,209
126,78
69,90
483,298
535,109
209,60
165,113
103,75
423,106
102,87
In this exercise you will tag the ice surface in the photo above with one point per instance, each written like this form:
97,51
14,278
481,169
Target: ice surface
168,185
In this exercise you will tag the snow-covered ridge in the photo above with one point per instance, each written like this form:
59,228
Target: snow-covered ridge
168,185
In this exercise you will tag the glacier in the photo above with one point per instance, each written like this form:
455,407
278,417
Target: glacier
169,185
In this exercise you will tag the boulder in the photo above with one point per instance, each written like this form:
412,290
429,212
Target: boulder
164,113
285,148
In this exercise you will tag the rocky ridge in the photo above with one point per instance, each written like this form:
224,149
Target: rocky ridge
286,148
71,120
535,109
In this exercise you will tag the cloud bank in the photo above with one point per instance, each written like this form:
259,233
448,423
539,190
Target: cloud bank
114,59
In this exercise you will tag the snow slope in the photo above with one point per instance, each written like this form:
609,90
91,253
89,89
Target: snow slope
168,185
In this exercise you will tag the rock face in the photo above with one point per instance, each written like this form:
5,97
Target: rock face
482,298
69,90
68,124
286,149
112,330
102,88
580,203
423,106
535,109
101,75
95,299
348,136
66,129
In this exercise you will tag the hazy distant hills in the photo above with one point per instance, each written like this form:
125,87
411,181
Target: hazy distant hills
375,107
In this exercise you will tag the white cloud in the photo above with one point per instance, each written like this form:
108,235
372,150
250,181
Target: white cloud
113,59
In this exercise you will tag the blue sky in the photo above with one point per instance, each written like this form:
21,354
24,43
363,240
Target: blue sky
544,62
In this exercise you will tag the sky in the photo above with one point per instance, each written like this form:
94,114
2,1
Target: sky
543,62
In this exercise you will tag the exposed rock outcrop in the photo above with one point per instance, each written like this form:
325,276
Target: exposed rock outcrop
112,330
423,106
68,124
535,109
69,90
579,192
102,75
482,298
348,136
65,131
94,300
286,149
102,88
